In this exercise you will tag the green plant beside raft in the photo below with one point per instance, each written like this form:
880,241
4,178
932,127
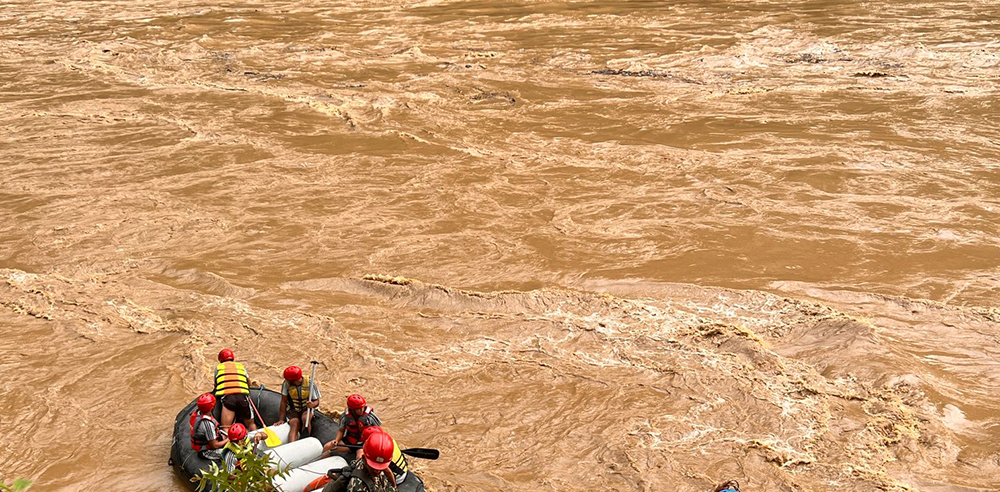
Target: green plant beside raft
19,485
253,474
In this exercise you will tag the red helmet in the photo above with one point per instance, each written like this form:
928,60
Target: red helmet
355,402
378,450
226,355
368,431
293,373
206,403
237,432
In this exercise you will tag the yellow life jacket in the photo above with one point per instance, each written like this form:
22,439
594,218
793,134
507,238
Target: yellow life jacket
236,448
231,378
298,396
398,463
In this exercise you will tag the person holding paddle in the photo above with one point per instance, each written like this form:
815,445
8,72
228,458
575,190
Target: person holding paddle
336,480
352,423
397,464
370,472
375,475
299,394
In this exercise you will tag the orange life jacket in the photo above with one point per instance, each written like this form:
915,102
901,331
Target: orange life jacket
355,426
231,378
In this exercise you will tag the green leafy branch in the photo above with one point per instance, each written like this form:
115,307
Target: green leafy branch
253,475
19,485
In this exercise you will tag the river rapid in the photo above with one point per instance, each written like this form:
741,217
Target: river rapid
576,246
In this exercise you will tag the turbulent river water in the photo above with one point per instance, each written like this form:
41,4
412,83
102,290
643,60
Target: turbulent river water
576,246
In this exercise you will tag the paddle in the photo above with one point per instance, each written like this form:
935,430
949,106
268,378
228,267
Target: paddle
312,396
272,439
256,412
425,453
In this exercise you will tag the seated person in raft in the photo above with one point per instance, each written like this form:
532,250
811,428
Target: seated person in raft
238,440
295,401
352,423
207,437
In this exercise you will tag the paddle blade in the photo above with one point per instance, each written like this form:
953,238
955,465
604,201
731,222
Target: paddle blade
425,453
272,438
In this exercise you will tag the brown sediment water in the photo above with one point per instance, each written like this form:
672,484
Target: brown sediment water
575,246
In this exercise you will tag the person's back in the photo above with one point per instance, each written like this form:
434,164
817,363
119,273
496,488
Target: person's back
232,387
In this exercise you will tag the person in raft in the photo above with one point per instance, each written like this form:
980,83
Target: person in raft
371,473
232,388
237,441
352,422
295,400
206,437
397,464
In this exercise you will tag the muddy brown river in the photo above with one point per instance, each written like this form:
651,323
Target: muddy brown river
576,246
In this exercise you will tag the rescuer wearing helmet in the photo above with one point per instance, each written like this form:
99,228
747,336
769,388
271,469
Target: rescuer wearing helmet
374,475
397,464
295,400
369,473
352,422
206,438
232,387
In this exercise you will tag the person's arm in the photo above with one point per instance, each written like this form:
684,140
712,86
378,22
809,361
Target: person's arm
392,476
340,435
214,440
315,394
282,417
281,412
257,438
218,443
342,427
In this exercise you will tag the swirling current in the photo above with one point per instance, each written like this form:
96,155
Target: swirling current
576,246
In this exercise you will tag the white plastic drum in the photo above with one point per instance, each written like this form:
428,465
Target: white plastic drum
295,454
300,477
281,431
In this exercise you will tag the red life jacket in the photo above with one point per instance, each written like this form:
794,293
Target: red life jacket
355,426
196,442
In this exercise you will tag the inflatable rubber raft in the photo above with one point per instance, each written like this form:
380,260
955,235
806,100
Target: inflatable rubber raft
300,455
